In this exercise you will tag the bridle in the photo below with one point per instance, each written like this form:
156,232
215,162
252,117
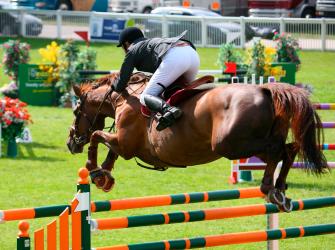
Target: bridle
81,139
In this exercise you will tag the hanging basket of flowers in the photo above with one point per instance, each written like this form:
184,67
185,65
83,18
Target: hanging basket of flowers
14,116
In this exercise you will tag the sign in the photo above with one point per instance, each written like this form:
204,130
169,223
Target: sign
284,72
25,137
106,29
34,88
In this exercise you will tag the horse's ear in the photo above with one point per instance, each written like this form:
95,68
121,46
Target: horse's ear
76,89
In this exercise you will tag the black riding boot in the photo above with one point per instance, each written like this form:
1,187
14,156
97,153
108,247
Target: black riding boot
169,113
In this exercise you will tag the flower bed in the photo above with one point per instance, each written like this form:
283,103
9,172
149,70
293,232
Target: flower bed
13,117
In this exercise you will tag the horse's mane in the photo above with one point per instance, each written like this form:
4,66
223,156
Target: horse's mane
96,83
110,79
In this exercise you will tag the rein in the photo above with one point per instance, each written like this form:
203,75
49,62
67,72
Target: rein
144,79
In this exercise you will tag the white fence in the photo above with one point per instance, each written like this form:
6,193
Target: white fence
312,34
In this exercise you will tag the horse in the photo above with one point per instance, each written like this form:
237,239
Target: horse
232,121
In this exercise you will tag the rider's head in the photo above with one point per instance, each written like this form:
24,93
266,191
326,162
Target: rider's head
128,36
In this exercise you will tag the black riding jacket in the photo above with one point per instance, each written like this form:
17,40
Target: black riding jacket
145,55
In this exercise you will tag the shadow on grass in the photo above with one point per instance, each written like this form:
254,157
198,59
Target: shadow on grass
27,152
37,145
36,158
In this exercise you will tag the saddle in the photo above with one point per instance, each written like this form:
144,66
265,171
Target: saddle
179,91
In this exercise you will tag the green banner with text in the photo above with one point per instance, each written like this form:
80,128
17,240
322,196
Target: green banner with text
34,87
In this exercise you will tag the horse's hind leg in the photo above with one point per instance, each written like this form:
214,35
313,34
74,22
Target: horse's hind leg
288,159
267,186
272,156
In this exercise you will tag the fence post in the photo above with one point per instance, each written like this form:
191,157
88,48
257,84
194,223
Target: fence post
242,32
164,26
23,29
323,33
203,32
282,25
59,24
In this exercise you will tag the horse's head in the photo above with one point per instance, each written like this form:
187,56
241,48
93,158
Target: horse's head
88,118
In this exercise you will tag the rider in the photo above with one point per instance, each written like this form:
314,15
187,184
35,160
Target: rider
167,59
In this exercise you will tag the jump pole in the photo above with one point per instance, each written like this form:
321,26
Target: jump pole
206,214
230,239
134,203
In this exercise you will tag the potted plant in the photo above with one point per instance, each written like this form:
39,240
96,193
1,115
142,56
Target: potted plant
287,56
287,49
62,64
13,118
15,53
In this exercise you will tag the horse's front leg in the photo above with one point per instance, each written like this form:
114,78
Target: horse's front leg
102,176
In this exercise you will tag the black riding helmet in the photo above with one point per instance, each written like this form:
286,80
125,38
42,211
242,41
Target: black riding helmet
130,35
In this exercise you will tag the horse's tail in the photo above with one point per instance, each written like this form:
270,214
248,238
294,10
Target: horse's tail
292,104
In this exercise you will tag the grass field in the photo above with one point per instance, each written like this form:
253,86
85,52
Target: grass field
45,173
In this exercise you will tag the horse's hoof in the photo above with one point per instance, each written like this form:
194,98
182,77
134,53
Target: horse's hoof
275,196
288,205
98,178
109,182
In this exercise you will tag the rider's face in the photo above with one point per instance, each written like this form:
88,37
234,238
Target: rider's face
125,47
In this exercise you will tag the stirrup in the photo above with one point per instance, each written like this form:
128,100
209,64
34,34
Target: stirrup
164,122
176,112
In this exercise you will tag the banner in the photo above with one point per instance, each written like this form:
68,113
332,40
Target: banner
34,87
106,29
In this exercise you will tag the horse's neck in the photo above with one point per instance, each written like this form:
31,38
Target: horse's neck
100,103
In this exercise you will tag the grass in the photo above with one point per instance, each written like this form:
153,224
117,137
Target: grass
45,172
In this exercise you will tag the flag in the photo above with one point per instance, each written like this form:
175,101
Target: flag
83,35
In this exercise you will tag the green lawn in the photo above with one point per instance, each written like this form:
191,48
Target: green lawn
45,173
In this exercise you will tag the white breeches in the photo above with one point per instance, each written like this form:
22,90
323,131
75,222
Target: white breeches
176,62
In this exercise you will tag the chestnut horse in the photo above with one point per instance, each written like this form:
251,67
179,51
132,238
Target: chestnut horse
232,121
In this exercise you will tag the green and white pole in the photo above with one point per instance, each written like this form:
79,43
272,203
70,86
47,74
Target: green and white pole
84,199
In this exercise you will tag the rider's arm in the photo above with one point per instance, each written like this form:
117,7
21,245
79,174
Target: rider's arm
125,73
